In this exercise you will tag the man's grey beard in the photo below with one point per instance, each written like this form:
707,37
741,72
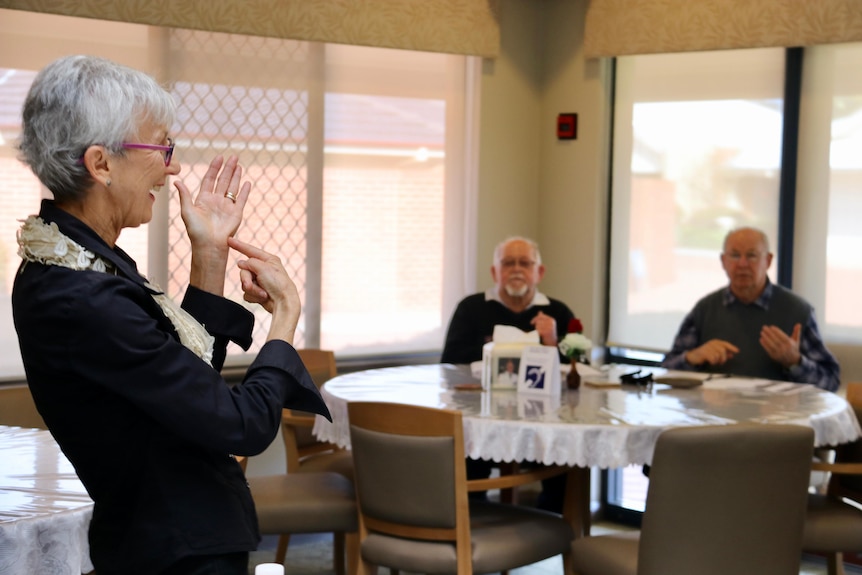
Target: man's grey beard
517,292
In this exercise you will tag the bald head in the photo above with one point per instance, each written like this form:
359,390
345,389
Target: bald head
745,259
749,230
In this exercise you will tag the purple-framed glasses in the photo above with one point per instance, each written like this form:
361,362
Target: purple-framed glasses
168,150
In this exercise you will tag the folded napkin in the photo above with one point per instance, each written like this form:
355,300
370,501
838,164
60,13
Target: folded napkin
510,334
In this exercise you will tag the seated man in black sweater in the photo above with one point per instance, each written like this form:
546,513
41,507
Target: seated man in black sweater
514,301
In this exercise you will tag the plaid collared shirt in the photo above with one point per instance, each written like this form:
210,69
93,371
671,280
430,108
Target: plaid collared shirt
817,365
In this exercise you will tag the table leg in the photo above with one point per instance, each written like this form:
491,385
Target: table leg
576,505
509,495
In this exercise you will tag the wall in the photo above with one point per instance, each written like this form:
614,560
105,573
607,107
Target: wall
556,191
574,173
529,182
509,143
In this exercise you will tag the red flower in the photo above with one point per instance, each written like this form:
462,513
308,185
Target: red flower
575,326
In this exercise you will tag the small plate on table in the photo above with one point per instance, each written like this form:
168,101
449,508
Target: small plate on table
678,381
600,383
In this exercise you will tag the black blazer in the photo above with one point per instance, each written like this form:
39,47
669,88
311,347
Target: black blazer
149,426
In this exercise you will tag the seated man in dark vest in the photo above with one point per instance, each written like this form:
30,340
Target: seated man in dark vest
753,327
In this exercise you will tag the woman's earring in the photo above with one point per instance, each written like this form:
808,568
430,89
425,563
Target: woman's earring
108,182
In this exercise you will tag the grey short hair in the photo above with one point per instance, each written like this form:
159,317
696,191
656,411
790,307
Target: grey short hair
80,101
498,251
763,237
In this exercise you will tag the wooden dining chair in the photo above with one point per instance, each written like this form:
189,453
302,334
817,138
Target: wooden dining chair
313,502
304,453
721,499
414,512
833,524
18,409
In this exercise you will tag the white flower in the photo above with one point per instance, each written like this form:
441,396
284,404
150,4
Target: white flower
99,266
60,248
84,258
574,343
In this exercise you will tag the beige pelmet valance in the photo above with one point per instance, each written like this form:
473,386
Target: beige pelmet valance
619,27
453,26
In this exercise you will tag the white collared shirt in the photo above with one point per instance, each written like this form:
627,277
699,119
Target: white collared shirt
538,298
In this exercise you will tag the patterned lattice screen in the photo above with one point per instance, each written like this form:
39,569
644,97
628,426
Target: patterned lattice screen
226,108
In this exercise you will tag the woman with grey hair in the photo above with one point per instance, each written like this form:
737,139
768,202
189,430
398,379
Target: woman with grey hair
127,380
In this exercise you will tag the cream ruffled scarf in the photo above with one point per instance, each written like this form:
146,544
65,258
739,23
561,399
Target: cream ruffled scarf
44,243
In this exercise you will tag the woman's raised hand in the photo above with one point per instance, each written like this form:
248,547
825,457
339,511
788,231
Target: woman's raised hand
211,218
265,281
216,212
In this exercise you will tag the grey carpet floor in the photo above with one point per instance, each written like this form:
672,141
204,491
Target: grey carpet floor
312,555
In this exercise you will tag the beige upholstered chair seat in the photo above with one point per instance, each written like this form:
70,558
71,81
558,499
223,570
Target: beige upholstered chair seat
617,555
494,549
832,525
340,462
304,503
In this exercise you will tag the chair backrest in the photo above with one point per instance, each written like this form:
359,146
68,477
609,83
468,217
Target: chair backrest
850,485
18,409
320,363
410,472
296,425
726,499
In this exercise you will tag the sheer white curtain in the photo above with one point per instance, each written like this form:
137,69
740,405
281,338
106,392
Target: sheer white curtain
828,252
697,145
358,157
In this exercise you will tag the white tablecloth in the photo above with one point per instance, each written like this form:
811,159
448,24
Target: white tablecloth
44,510
604,427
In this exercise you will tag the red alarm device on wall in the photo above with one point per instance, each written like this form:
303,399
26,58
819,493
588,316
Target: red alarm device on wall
567,126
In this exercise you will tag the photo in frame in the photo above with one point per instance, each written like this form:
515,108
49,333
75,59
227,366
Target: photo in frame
501,363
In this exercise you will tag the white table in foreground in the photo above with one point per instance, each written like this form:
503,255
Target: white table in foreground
44,509
591,427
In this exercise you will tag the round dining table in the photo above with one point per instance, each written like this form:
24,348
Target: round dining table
605,425
602,424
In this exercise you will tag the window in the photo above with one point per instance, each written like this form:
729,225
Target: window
673,204
697,152
354,153
827,261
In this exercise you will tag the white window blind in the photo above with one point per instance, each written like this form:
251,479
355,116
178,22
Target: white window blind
828,252
356,155
697,143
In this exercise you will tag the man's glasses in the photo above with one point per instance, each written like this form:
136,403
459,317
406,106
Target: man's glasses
750,257
168,150
635,378
510,263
